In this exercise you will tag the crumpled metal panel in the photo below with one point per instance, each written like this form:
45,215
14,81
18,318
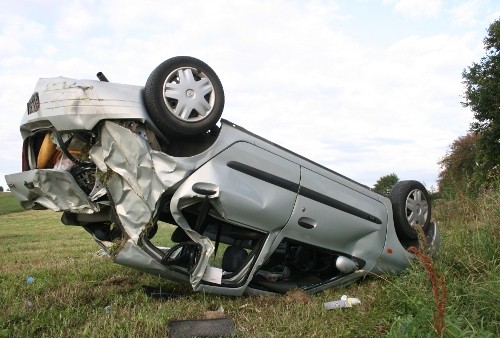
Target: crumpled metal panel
183,196
139,175
52,189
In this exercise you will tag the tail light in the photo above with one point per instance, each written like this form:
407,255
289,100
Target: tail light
31,150
25,154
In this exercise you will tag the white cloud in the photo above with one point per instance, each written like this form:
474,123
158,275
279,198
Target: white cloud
416,8
75,19
467,12
18,33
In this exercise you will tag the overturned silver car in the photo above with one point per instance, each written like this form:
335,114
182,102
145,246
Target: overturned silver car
118,159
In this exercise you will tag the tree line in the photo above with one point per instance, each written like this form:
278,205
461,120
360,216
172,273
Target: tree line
472,162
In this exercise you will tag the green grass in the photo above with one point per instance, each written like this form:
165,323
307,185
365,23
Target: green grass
73,286
9,204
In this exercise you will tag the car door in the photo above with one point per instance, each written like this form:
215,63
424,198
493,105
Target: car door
336,217
257,188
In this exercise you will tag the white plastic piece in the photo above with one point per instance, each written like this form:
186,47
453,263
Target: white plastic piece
213,275
344,302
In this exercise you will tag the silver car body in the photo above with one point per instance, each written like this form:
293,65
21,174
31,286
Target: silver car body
258,196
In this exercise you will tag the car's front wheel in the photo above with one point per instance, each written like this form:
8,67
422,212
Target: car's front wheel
411,206
184,97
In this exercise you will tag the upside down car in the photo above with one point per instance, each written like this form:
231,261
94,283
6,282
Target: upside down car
118,159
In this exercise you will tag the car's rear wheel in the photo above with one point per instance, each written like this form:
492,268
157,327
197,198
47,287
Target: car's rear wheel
411,207
184,97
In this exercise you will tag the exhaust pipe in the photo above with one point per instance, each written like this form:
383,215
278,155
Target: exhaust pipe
102,77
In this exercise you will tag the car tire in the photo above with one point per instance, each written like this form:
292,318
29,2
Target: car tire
411,206
184,97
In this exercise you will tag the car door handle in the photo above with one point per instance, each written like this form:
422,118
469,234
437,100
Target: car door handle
307,223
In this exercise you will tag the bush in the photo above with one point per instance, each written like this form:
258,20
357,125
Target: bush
385,184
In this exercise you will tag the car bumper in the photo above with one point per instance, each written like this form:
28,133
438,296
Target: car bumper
87,101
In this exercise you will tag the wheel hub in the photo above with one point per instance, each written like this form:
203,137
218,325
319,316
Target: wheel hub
416,208
188,94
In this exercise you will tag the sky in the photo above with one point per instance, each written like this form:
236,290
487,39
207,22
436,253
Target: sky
364,87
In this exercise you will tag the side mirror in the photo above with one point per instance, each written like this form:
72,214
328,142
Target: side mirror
345,265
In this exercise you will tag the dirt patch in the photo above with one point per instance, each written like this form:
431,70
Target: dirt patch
297,295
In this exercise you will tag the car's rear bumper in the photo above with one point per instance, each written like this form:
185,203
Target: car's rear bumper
87,102
396,255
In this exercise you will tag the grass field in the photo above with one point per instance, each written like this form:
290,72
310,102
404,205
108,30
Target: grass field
8,204
73,287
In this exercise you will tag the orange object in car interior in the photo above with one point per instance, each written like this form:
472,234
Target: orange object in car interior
46,152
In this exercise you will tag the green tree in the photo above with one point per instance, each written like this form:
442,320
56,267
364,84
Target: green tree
385,183
482,96
459,165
